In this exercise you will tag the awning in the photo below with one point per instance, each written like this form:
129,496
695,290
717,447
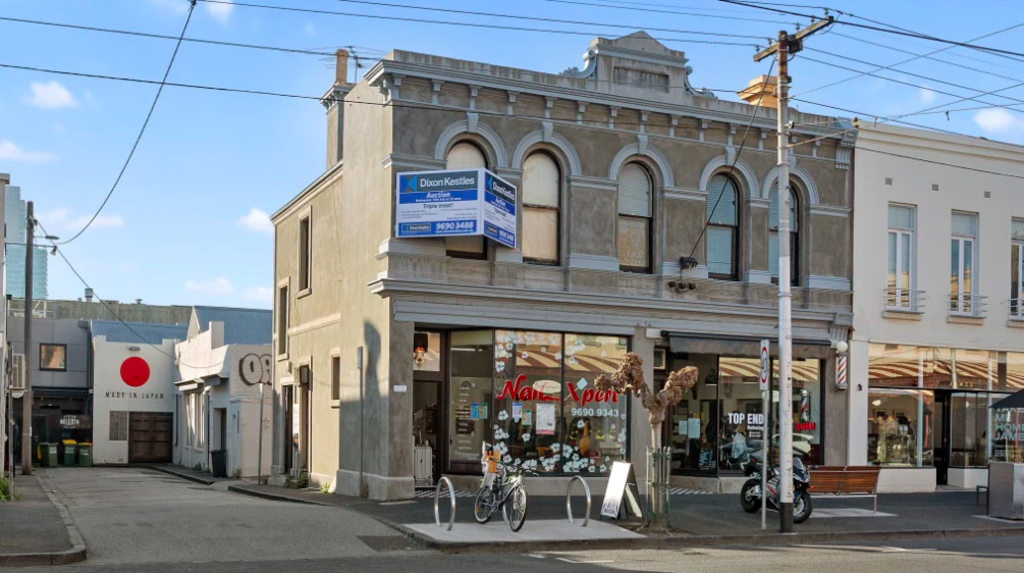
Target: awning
743,346
1011,402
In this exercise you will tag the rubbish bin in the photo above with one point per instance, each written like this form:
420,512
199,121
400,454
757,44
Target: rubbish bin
49,454
219,459
85,455
69,452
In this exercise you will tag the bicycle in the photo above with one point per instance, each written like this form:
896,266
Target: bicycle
502,489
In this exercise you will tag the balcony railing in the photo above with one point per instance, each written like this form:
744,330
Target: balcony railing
904,300
1017,308
969,305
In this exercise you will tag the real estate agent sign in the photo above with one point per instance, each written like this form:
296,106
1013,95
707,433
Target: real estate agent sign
456,203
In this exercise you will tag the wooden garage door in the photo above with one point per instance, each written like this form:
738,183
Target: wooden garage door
149,437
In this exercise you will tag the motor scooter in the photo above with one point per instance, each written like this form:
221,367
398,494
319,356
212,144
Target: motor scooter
750,495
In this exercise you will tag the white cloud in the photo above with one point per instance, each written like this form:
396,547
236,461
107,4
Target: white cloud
259,294
997,119
258,221
50,95
11,152
218,285
64,220
926,95
220,12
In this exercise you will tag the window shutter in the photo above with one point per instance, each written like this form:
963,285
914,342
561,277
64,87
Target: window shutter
901,217
773,210
965,224
773,253
721,192
634,191
540,181
466,156
720,251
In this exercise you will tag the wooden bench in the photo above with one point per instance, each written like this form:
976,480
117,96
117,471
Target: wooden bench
845,481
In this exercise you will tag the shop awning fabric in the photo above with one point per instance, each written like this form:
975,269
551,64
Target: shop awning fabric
1011,402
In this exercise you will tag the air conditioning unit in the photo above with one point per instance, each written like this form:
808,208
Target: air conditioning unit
17,372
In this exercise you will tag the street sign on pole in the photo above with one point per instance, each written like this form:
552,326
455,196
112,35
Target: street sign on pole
765,433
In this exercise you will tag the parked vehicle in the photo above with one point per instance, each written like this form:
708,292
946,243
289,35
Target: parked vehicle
751,496
502,488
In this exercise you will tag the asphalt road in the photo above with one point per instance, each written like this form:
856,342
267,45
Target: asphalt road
933,556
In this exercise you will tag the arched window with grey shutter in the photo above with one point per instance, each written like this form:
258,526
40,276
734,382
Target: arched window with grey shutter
723,228
634,234
794,235
541,199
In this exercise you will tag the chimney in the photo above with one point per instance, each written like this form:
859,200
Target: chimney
341,67
88,295
336,111
761,92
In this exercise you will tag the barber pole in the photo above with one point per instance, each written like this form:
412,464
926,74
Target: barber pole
841,372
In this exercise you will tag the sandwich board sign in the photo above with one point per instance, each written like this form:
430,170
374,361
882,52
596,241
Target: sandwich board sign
456,203
622,483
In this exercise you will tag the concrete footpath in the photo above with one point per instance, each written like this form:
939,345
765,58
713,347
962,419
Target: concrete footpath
37,530
697,521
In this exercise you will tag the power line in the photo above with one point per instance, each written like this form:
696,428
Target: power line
929,88
732,166
160,36
942,163
469,24
893,119
890,30
552,20
138,138
916,57
632,6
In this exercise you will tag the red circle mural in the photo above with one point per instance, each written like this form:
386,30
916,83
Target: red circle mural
135,371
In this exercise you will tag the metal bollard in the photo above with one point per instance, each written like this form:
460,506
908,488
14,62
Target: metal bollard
437,499
568,500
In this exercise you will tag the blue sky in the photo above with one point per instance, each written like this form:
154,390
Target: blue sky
187,224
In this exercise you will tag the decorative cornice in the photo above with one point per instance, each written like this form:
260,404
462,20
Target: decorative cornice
416,162
588,182
685,194
830,210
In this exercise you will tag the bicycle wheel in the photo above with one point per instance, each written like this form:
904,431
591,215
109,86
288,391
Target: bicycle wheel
514,510
484,506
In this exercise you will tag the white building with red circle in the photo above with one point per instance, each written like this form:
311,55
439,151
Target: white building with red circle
134,395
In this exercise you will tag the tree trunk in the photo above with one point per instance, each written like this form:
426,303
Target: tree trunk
656,436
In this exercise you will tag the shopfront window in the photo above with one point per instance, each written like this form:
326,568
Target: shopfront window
528,381
469,394
743,421
694,421
900,427
594,434
969,430
806,410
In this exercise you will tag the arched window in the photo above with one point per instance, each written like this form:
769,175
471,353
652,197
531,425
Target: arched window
541,196
466,155
723,228
794,235
634,236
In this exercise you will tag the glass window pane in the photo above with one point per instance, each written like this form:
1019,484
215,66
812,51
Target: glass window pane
469,425
634,242
694,423
954,280
899,430
540,234
968,436
465,156
743,423
1015,279
905,261
968,266
893,238
1007,433
965,224
1017,229
634,191
722,201
528,385
721,249
540,181
901,217
594,435
52,357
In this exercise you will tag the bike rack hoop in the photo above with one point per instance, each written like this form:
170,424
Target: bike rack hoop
568,500
451,493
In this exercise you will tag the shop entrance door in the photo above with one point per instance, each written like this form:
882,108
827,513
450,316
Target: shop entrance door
290,438
429,367
942,437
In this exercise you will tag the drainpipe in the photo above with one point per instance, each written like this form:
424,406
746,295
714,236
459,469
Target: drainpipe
359,365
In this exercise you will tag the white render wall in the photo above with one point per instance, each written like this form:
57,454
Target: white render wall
111,393
958,189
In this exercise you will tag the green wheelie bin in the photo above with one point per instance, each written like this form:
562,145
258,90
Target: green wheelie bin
85,455
49,454
69,452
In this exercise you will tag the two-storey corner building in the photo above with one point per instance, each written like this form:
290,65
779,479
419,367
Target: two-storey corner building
398,358
939,328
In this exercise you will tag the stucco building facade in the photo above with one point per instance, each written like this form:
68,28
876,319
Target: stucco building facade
938,329
397,359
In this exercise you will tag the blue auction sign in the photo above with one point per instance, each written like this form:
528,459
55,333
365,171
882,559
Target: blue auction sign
456,203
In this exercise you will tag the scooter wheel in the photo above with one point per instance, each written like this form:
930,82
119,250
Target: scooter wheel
802,507
749,498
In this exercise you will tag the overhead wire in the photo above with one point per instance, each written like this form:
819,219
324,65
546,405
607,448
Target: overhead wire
474,24
544,19
142,130
636,7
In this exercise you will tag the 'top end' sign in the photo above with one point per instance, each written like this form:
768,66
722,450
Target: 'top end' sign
455,203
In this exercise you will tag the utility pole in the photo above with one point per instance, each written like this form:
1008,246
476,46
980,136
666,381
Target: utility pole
26,397
786,45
